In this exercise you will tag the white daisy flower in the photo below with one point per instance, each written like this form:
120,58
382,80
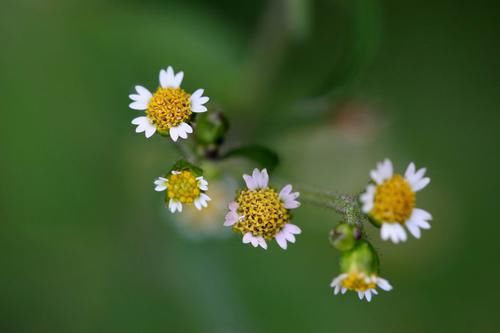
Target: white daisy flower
364,284
260,213
169,110
183,187
390,202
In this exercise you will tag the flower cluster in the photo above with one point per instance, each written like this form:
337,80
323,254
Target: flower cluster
260,212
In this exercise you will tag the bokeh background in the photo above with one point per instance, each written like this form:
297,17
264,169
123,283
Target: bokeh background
332,85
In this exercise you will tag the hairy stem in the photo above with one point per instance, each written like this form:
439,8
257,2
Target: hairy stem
344,204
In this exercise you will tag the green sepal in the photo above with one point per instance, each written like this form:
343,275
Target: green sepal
263,156
362,258
181,165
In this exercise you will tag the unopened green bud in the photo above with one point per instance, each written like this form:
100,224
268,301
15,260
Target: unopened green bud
361,258
211,127
344,236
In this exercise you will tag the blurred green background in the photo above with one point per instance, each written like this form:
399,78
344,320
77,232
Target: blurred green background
333,86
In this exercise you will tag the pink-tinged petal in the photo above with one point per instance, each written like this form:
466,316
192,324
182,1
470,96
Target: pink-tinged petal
292,228
249,180
285,191
292,204
264,178
262,242
231,219
257,178
247,238
280,239
233,206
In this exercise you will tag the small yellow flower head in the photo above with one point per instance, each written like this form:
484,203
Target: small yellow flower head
169,110
260,213
196,223
359,268
390,203
183,187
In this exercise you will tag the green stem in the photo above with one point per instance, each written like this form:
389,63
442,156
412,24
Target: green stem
344,204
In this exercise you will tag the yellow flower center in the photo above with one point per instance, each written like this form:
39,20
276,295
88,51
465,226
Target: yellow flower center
394,201
358,282
263,213
168,108
183,187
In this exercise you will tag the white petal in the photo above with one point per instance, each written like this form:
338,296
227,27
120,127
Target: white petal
196,95
143,92
367,199
138,105
368,295
336,281
204,199
174,133
198,108
144,125
292,229
178,80
421,184
410,171
393,231
384,284
413,228
197,204
161,184
377,178
361,294
387,169
202,183
174,205
187,128
167,78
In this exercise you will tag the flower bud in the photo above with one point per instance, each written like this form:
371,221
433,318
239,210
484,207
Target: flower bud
362,257
211,128
344,236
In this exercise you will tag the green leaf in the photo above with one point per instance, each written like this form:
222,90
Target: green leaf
265,157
